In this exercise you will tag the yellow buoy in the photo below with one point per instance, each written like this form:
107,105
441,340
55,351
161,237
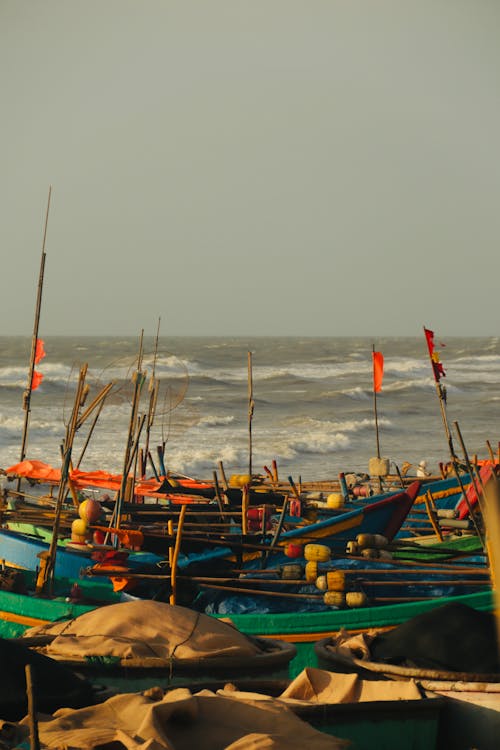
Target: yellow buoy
372,540
311,571
321,583
365,540
356,599
335,580
352,548
335,500
89,510
370,553
334,598
79,531
317,552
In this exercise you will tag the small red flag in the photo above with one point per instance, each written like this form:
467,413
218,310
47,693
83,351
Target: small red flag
39,351
429,335
378,370
437,367
36,380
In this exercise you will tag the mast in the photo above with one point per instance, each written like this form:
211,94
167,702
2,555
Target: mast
29,386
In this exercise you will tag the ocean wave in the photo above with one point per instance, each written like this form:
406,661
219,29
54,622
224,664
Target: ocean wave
215,421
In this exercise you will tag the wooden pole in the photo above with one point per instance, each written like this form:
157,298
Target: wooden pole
244,509
33,722
432,515
441,396
154,386
175,556
251,405
223,476
490,451
28,391
375,413
129,454
48,561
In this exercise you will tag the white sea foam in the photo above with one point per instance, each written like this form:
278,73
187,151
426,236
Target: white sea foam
215,421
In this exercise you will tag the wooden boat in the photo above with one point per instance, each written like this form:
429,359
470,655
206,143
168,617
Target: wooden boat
140,644
383,516
392,720
21,609
24,551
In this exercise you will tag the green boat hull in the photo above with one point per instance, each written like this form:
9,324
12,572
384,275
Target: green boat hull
18,612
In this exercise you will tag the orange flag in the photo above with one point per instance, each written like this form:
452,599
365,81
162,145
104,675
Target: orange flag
36,380
39,351
378,370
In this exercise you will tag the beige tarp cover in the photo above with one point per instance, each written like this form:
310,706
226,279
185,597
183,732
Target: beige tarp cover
145,629
357,646
319,687
181,721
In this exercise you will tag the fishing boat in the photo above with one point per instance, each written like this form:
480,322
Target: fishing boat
139,644
22,608
333,529
387,714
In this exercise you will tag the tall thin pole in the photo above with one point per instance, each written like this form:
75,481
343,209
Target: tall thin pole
27,392
375,409
132,442
251,405
153,394
438,371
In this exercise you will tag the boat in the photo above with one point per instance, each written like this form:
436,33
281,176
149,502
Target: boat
391,715
383,516
21,609
136,645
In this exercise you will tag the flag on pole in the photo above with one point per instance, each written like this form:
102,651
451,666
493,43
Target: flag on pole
36,380
39,351
378,371
437,367
39,355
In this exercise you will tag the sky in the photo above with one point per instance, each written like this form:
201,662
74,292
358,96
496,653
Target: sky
258,167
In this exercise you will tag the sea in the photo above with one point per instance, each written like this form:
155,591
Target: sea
307,403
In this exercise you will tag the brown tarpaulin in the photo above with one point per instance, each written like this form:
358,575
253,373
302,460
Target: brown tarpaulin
145,629
181,721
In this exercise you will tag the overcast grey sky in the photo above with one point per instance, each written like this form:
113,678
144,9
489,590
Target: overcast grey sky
251,167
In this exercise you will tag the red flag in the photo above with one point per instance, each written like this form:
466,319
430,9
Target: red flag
429,335
39,351
437,367
378,370
36,380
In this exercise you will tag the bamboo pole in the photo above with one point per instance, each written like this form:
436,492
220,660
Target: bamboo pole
244,509
492,521
153,392
34,338
377,438
432,516
175,556
138,380
48,561
225,484
251,405
441,395
33,722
